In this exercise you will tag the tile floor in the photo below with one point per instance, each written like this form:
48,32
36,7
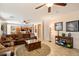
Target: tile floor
57,50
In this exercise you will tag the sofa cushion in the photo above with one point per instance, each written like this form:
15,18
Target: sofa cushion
3,38
9,38
1,46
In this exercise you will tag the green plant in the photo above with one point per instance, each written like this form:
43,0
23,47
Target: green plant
63,34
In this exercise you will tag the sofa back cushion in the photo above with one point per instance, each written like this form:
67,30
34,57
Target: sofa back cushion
3,38
26,35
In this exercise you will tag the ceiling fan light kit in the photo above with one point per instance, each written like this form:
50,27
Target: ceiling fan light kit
26,21
49,9
49,5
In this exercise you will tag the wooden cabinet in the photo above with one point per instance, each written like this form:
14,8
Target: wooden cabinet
64,41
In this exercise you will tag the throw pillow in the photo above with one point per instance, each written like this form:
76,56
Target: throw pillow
1,46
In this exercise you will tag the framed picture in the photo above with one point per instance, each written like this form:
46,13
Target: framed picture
59,26
4,28
13,29
72,26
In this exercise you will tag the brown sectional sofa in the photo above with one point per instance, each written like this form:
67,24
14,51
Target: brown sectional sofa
16,38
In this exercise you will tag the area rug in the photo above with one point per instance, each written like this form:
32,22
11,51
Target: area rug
43,51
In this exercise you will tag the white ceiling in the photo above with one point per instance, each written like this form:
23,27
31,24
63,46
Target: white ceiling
27,11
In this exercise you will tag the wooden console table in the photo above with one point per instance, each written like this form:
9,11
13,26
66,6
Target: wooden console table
64,41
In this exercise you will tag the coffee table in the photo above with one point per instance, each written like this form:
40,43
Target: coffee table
32,45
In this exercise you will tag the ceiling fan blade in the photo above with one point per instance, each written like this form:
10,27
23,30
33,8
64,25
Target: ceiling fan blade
61,4
40,6
49,9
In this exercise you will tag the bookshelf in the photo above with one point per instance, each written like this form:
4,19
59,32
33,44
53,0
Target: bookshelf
64,41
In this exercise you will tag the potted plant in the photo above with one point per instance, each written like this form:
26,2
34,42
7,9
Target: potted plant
63,34
69,34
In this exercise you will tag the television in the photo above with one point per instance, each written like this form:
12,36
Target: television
59,26
72,26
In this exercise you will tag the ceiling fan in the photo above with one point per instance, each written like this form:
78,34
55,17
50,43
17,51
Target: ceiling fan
26,21
50,5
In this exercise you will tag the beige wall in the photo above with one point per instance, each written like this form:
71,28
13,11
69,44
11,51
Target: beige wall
46,30
65,18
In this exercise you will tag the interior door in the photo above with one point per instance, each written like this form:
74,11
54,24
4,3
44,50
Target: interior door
39,31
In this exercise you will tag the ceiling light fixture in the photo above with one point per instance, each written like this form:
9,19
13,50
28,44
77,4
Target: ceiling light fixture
49,4
26,21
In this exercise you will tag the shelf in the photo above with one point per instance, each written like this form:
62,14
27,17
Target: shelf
64,41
